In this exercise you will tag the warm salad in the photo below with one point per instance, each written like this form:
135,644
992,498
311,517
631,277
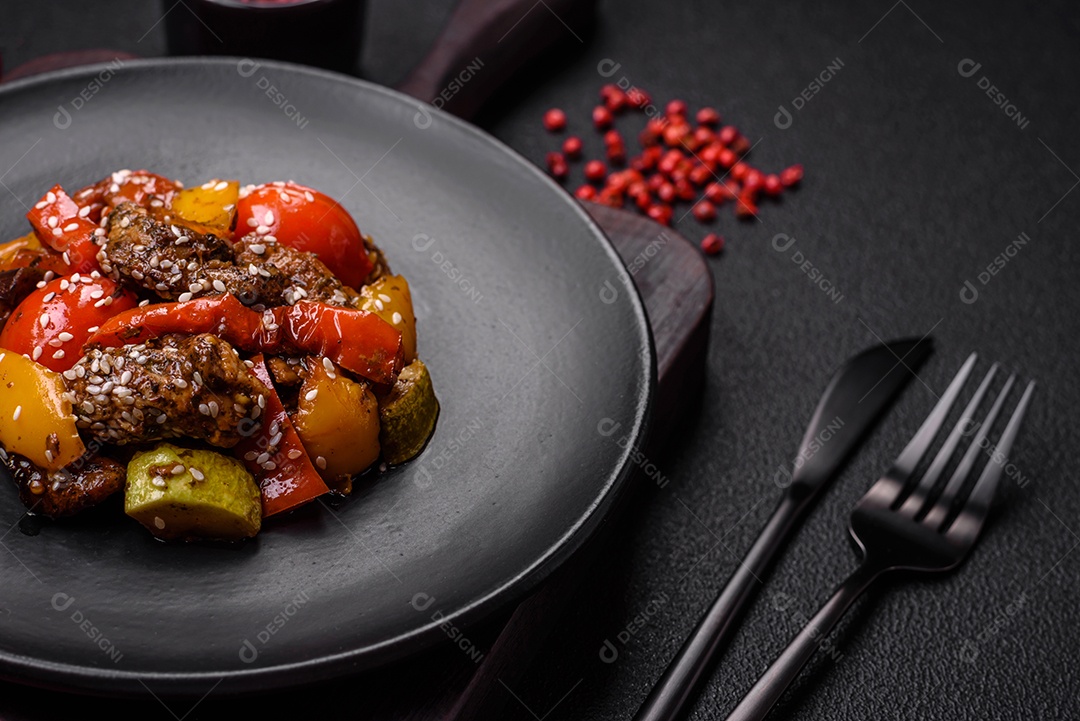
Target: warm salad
217,354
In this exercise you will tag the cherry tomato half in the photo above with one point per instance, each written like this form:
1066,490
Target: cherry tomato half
58,318
305,219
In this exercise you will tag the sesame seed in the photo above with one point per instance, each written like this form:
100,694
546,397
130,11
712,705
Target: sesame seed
396,318
384,298
269,465
320,462
87,406
214,410
379,304
197,474
18,412
65,337
70,374
160,483
294,454
93,329
178,469
221,186
84,211
48,455
57,232
219,286
252,269
53,221
97,294
257,248
204,409
269,217
184,297
37,353
49,296
311,395
252,222
159,522
160,420
125,378
125,222
181,383
58,354
71,227
262,458
198,378
262,401
275,439
308,196
44,320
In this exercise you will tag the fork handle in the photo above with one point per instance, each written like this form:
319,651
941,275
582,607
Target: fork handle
772,684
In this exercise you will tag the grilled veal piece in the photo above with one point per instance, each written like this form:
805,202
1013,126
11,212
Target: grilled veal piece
85,483
173,386
306,277
179,263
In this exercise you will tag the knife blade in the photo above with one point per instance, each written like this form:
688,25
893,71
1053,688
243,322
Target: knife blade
858,394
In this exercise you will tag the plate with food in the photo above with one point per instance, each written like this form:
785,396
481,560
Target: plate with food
287,386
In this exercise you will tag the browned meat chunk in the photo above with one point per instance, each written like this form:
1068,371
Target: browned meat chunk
83,484
172,386
15,285
306,277
381,267
180,263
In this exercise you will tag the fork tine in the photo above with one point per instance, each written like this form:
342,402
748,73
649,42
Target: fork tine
944,502
889,487
969,522
918,497
909,458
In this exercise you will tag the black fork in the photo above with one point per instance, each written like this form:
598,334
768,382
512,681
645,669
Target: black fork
920,533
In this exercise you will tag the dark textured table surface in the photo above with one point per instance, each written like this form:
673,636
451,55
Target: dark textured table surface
917,181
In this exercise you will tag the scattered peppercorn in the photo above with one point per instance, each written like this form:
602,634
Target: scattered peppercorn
712,244
554,120
572,146
595,171
684,157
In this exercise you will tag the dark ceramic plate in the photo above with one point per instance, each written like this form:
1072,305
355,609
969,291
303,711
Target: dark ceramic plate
532,334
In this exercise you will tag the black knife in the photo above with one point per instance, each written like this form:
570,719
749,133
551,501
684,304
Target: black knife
855,398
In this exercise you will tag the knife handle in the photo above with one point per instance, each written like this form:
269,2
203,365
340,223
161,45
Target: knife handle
671,693
485,42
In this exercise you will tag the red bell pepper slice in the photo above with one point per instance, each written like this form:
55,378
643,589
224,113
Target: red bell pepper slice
58,225
356,340
359,341
276,457
222,315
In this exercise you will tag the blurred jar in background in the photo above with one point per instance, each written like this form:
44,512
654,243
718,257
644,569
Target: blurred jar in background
323,33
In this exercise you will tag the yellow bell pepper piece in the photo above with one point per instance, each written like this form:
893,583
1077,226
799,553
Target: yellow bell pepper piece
212,205
35,418
390,299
